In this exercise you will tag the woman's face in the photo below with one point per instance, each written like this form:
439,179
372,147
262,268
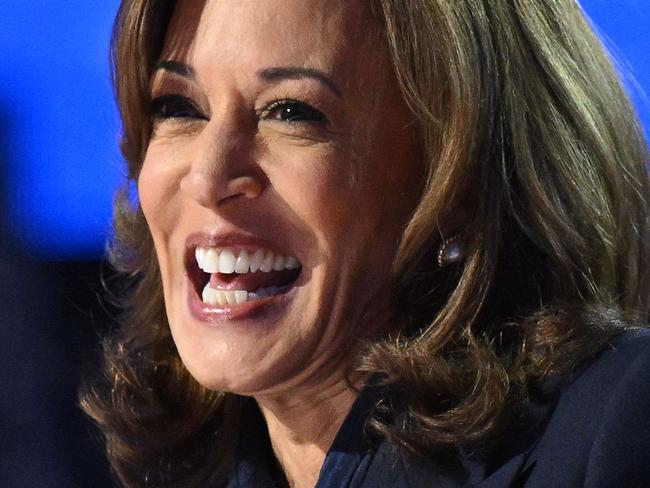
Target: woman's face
282,168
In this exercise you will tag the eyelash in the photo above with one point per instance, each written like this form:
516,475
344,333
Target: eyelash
314,116
173,107
179,107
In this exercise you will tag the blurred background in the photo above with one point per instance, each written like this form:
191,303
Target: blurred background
59,167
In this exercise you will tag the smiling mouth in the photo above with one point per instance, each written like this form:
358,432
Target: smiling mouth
226,276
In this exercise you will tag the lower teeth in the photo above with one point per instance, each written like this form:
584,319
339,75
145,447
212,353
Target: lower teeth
214,297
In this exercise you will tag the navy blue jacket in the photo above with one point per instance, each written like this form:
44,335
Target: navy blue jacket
592,430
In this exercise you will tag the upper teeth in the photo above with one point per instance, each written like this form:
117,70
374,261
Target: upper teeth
227,261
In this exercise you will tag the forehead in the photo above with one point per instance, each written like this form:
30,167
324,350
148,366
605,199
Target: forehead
336,36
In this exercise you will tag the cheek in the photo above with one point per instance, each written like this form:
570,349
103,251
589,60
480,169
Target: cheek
147,194
316,183
351,206
156,192
158,199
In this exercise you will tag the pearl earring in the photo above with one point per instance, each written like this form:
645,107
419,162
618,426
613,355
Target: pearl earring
450,251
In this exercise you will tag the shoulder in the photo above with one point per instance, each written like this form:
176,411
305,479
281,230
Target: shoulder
618,374
618,358
598,434
592,432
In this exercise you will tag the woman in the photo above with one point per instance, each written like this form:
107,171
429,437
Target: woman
388,243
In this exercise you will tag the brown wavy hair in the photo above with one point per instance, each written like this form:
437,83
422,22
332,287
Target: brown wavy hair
528,136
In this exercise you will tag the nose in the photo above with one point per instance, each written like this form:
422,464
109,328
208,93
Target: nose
221,167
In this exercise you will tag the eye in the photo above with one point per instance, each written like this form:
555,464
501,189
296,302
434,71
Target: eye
174,107
293,111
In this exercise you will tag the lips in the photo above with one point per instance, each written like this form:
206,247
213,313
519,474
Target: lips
227,275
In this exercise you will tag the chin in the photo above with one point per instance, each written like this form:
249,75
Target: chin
247,348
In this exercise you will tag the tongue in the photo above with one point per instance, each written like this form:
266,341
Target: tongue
253,281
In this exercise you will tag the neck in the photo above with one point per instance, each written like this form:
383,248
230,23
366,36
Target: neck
302,428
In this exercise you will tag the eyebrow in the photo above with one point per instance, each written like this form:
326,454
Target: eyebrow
176,67
269,74
295,73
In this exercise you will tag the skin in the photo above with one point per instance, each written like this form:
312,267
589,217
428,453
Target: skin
335,193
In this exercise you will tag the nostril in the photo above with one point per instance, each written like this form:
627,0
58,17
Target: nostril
247,186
